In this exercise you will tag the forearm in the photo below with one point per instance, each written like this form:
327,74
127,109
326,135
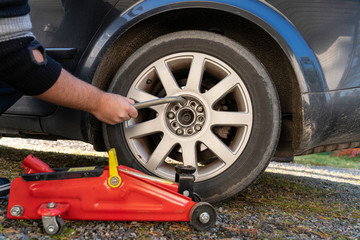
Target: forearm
31,72
72,92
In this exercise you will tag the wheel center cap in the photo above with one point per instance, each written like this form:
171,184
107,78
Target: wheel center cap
186,119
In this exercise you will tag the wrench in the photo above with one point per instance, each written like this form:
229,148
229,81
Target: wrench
159,101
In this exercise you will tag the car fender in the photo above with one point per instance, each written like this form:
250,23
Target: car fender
303,60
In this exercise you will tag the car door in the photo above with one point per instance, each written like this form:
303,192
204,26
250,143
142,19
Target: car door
64,28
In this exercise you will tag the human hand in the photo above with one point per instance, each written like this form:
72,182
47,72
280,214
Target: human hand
113,109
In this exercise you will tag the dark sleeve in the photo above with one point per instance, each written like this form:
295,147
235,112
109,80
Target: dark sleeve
19,69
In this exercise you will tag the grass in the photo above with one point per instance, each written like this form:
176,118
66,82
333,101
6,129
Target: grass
294,206
330,159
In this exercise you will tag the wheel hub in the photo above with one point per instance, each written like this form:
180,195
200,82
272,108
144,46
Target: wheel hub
186,119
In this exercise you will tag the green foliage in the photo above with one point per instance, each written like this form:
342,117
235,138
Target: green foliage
342,159
67,232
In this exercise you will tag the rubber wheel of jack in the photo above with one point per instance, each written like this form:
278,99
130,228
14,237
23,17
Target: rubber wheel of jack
229,127
60,226
202,216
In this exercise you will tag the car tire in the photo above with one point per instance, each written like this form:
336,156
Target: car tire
229,127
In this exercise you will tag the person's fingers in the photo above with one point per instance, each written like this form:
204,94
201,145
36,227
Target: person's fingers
131,110
129,100
133,113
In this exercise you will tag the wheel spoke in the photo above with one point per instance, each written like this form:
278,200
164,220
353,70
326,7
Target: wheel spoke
221,118
189,153
167,79
160,153
144,128
221,89
219,148
196,73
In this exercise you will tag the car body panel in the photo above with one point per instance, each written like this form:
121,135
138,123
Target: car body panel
330,118
331,28
323,48
68,24
260,13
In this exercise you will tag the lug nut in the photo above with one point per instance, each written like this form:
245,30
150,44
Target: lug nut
197,127
179,131
200,109
171,115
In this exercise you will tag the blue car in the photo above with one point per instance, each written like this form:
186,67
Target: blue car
261,79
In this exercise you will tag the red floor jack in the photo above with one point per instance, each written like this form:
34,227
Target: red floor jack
111,193
114,193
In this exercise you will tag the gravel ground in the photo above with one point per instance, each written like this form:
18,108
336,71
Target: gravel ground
289,201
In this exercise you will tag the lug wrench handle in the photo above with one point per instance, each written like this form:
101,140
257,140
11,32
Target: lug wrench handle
159,101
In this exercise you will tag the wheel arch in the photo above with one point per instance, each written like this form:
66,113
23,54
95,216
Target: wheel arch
274,35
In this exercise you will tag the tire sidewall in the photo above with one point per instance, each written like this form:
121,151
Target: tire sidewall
266,119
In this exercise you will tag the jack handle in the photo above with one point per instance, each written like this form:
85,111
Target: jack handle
114,179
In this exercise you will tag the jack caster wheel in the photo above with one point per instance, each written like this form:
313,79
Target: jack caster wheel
53,225
202,216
